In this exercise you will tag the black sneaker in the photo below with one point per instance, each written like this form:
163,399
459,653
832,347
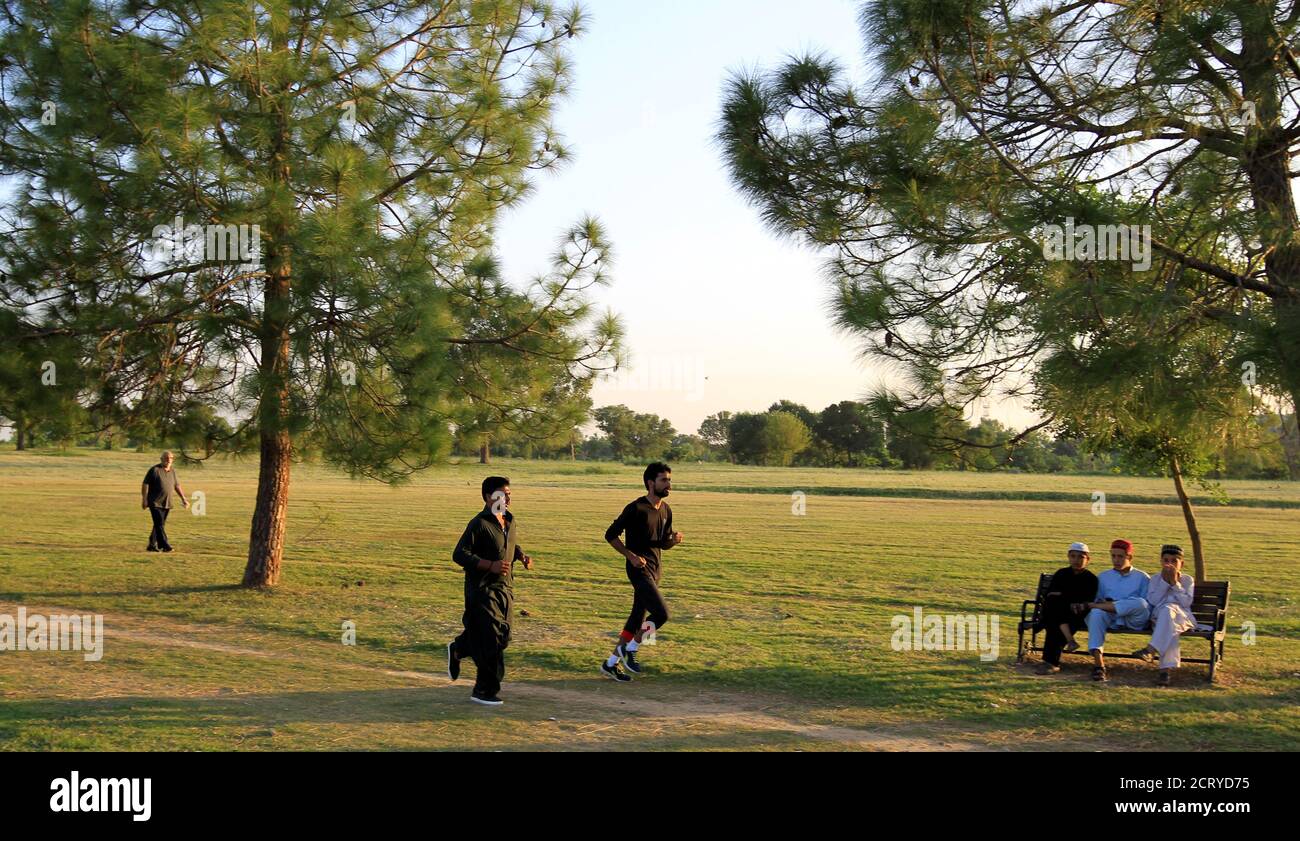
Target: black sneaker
614,672
628,658
151,549
486,700
453,662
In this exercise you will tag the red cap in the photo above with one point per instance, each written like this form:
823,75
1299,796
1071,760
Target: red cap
1126,545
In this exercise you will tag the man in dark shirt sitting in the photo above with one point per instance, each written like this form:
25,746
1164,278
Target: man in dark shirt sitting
647,525
156,492
1064,610
487,552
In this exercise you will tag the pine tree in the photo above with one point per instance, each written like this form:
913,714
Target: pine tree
286,209
930,187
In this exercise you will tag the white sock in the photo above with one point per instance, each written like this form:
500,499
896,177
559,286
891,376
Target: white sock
612,661
632,646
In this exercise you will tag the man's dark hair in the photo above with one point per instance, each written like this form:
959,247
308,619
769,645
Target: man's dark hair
492,484
653,470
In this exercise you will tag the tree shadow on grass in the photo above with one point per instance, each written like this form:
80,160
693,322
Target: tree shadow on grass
250,721
1167,720
944,699
409,705
142,591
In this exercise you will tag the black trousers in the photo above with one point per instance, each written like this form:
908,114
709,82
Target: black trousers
646,599
158,537
486,636
1056,611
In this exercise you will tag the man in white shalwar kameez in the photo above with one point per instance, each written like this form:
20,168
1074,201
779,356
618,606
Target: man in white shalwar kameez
1170,596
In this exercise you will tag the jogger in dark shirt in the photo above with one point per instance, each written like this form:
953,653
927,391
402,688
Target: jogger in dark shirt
647,525
487,551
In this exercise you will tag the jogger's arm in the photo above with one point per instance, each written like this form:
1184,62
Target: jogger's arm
632,558
464,555
673,537
613,538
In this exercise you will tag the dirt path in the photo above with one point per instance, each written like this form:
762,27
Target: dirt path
723,711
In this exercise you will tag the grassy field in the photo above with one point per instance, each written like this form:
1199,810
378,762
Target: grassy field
780,637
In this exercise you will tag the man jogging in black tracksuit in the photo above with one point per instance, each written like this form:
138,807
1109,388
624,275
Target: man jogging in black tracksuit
647,524
487,552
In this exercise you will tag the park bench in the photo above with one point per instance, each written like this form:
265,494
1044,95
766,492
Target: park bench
1209,606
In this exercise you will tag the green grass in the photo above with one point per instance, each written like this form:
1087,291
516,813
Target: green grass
780,637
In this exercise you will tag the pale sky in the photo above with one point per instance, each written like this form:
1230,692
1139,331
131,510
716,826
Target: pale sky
704,289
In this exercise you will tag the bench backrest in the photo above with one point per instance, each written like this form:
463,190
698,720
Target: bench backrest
1044,581
1208,598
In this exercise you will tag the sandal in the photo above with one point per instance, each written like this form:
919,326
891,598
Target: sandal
1047,669
1071,647
1099,673
1146,655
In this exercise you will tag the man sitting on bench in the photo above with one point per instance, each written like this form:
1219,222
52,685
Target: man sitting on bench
1071,588
1121,603
1170,598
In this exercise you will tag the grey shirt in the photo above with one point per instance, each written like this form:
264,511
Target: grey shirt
162,486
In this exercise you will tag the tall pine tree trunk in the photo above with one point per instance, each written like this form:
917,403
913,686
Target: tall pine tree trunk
1289,437
1267,162
1198,555
20,432
266,536
484,454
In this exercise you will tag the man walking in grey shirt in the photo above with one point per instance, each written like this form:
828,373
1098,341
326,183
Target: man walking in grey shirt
160,485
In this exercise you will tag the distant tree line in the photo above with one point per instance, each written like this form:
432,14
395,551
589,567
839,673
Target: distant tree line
844,434
852,434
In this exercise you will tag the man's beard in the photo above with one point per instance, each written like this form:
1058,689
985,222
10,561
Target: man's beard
662,493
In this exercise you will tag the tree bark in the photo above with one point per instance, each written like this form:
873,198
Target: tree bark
20,433
266,535
1267,162
1289,438
484,453
1198,555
